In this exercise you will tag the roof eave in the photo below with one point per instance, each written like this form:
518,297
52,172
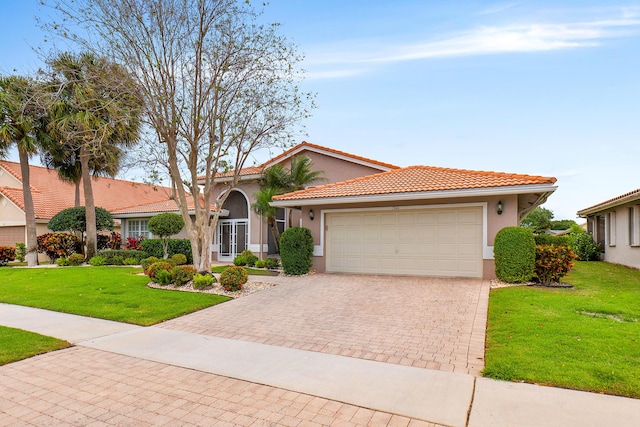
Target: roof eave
608,205
125,215
547,189
308,147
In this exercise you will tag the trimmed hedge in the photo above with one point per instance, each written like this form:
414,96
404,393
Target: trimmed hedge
296,248
153,247
551,240
109,254
515,254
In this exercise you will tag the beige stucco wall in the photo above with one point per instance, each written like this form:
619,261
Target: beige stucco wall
622,252
10,214
8,180
495,222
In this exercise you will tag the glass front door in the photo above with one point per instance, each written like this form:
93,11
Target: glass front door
233,238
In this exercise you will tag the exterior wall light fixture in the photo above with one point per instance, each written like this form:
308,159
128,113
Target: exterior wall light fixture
499,208
311,214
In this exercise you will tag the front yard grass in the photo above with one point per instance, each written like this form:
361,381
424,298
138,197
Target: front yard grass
17,344
585,338
113,293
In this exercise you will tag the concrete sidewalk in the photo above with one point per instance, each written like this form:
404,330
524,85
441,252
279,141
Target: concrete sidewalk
434,396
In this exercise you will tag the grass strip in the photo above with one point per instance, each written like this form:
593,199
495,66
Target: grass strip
113,293
585,338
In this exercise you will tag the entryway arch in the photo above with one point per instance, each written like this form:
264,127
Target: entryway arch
233,230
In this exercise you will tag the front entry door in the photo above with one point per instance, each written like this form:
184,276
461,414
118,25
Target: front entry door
233,238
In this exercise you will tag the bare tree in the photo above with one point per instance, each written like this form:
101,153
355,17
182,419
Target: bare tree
217,85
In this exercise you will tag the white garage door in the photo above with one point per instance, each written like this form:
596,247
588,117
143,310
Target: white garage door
429,242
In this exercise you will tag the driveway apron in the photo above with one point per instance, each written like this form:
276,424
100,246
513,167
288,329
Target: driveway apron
431,323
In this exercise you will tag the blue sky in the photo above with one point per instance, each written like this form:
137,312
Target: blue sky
538,87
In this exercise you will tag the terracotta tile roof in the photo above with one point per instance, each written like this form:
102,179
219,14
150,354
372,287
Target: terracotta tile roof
251,170
257,170
167,205
416,179
51,195
619,200
305,144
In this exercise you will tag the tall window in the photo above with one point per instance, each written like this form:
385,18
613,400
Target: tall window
611,228
137,228
634,226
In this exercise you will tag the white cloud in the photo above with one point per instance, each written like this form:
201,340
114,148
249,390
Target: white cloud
484,40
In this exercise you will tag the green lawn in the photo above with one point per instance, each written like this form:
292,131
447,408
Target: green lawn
17,344
114,293
585,338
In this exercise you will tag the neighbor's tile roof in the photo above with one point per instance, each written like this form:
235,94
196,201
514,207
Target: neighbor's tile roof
416,179
51,195
619,200
251,170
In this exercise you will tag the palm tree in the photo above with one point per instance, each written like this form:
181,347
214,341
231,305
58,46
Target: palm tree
301,175
96,110
22,122
278,180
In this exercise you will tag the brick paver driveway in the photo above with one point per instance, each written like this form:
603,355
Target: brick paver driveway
422,322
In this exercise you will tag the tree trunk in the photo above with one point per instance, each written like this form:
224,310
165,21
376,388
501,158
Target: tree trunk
275,232
29,211
77,198
89,204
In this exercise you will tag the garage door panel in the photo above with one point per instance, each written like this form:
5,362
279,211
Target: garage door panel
434,242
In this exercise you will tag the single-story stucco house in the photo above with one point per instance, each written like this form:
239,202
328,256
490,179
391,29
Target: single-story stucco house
373,217
615,225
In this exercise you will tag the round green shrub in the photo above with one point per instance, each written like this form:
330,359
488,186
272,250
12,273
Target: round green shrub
62,262
271,263
97,261
182,274
130,261
203,281
154,268
163,277
145,263
233,278
240,260
296,248
178,259
76,259
250,257
514,254
260,263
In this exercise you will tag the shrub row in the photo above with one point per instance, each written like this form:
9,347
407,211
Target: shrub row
551,240
153,247
7,253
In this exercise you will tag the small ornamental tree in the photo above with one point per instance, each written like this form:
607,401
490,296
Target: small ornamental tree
296,248
74,220
165,225
515,254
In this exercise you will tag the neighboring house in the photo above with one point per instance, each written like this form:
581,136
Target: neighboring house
615,224
373,217
240,228
51,195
